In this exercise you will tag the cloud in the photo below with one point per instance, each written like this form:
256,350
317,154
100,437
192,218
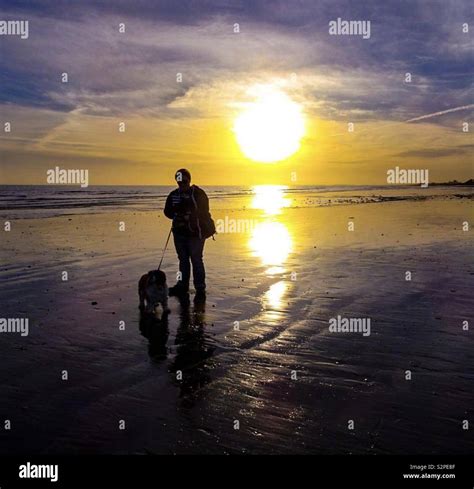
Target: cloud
135,72
437,152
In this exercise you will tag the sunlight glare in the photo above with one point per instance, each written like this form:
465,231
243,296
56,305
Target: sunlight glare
269,198
270,129
271,242
275,293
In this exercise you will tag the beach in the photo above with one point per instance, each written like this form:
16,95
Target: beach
256,369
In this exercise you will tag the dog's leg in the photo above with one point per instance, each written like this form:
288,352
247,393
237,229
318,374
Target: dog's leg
164,303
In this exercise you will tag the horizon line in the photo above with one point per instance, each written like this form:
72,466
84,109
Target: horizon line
226,185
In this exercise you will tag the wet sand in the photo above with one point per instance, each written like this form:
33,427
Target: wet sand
290,383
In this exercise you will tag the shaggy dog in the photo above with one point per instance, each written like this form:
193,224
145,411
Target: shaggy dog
152,290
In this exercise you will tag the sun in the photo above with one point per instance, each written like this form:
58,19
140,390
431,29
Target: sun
270,128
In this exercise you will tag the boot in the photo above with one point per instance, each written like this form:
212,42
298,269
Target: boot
178,290
200,295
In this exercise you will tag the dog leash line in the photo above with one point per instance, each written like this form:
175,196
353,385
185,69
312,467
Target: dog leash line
166,246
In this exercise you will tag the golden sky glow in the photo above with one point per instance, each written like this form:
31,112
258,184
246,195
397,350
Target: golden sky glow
194,92
150,150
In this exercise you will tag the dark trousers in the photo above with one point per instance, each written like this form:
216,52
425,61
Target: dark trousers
190,248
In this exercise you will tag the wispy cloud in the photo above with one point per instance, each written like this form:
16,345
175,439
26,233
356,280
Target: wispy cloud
438,152
441,112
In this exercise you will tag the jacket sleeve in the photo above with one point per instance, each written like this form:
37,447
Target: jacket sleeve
169,213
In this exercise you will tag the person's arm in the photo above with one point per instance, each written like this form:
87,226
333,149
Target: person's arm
203,204
168,210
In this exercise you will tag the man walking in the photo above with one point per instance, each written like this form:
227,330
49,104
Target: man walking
188,207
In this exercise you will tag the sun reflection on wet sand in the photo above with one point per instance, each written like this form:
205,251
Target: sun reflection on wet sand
274,295
270,198
271,240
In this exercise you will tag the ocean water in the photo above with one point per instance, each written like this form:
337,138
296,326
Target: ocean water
30,201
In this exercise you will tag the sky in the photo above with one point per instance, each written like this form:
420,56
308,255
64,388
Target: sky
132,77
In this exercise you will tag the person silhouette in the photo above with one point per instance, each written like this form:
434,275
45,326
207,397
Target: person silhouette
188,207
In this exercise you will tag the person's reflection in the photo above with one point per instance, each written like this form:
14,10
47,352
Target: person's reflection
193,350
157,332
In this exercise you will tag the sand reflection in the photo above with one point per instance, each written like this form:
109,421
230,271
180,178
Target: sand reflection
269,198
271,240
272,243
275,294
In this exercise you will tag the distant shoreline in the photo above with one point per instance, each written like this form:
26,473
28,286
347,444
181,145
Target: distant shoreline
453,183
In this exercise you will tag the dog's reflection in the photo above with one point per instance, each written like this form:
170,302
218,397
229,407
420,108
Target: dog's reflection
191,364
156,331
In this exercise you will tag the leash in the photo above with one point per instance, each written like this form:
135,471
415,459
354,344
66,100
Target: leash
166,246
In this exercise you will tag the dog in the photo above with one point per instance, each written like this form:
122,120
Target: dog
152,290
